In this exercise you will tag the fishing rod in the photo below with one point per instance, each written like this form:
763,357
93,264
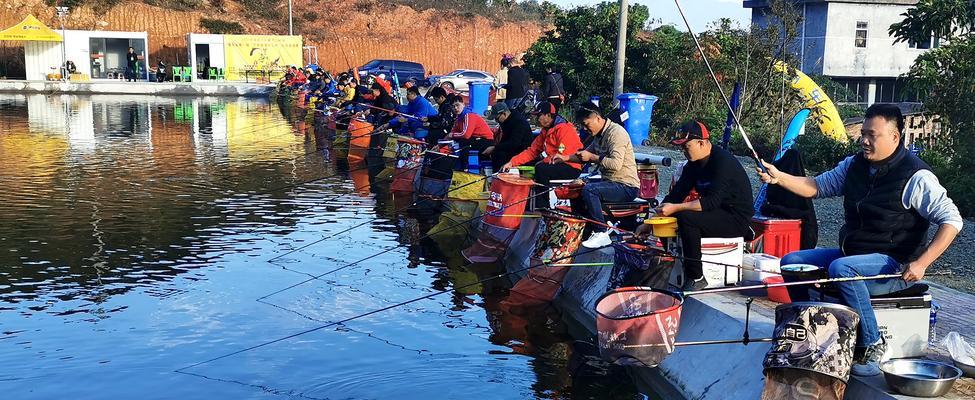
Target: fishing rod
375,311
412,242
724,97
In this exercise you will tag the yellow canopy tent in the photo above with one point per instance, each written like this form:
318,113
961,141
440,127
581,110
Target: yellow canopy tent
30,30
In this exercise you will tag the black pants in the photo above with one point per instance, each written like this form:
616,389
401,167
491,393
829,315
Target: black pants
478,144
693,225
546,173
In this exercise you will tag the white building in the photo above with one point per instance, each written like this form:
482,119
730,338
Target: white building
98,54
848,41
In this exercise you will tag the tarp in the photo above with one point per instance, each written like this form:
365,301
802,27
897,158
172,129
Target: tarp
244,53
30,30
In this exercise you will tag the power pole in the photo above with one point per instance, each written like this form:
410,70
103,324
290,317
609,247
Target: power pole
620,53
62,12
291,25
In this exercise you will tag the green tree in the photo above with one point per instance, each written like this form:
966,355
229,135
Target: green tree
946,75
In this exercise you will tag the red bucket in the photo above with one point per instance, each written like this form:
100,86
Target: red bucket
360,132
649,183
567,192
509,195
637,325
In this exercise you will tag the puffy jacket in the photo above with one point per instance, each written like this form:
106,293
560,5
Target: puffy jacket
420,108
561,138
471,126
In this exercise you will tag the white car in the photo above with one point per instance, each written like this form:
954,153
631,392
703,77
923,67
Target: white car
459,79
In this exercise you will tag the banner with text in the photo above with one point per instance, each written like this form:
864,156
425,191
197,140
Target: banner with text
260,56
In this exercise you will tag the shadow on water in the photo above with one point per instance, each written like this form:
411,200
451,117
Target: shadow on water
134,238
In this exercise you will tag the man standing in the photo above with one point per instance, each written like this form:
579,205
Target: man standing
612,153
724,206
131,65
514,135
553,88
558,137
517,86
890,197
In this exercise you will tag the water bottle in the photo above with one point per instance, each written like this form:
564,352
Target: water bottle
932,321
473,162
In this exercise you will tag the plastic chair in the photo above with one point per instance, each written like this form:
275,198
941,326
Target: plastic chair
212,73
187,74
220,74
177,73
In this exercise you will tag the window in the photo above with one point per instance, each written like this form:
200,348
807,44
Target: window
933,42
861,35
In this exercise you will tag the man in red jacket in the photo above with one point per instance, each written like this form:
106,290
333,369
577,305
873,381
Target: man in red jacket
558,137
470,130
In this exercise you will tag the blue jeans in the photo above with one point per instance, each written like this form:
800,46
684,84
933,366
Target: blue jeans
856,294
595,193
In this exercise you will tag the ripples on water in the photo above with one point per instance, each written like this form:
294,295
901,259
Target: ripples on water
134,234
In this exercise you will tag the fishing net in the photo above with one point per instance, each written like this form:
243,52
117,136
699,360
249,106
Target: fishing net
466,186
409,153
507,200
639,265
491,244
801,385
559,241
814,339
451,229
637,325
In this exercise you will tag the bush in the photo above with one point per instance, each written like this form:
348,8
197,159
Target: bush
219,26
266,9
821,153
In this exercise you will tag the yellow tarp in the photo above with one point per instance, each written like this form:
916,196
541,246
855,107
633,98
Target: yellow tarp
30,30
243,53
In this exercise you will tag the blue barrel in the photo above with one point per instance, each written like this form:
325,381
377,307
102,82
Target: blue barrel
478,95
637,108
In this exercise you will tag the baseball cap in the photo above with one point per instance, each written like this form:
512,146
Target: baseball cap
690,130
545,107
496,110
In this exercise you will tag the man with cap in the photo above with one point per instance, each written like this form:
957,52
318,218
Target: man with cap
890,199
558,137
612,153
723,208
513,136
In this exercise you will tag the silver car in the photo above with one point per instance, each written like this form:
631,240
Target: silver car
458,79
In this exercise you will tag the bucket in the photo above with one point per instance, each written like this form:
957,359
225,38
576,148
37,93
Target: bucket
664,227
360,133
480,93
560,239
403,180
649,181
566,192
527,171
409,152
637,325
814,337
509,194
638,108
778,294
798,273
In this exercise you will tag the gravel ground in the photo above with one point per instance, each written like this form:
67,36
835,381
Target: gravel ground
959,257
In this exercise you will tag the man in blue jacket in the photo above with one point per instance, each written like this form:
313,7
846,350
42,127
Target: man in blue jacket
418,107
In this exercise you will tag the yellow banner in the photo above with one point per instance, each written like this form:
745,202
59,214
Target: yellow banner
259,55
30,29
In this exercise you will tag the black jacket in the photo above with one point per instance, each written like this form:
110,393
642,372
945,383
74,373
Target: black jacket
441,123
876,220
721,182
552,86
514,136
517,86
781,203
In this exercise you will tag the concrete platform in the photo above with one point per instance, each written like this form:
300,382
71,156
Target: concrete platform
727,371
205,88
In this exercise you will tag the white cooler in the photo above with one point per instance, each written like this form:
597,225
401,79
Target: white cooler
724,251
904,322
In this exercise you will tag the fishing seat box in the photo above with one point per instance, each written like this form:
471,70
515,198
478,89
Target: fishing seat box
777,237
728,251
904,321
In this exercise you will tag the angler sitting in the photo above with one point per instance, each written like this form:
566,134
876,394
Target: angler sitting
383,106
723,208
441,123
514,135
417,108
470,130
890,197
612,153
558,137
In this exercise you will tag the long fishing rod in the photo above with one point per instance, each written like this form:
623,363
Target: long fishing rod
376,311
412,242
371,220
724,97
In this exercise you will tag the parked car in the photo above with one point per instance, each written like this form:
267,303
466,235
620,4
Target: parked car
405,70
459,79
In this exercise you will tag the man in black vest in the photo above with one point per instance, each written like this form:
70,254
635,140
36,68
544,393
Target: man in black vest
890,197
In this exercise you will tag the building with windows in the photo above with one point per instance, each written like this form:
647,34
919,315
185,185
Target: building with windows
848,41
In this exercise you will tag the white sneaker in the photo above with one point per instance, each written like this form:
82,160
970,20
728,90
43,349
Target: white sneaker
597,240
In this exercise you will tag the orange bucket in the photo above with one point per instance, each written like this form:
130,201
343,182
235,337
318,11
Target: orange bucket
360,132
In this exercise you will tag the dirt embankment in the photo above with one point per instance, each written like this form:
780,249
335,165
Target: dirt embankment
346,32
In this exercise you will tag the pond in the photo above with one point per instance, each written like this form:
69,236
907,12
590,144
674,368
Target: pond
138,233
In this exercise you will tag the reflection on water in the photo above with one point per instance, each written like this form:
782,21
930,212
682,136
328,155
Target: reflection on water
134,238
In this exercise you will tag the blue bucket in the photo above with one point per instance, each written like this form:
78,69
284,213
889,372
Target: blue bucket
479,93
638,109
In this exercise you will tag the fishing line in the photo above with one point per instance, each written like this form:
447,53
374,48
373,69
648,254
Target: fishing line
378,310
412,242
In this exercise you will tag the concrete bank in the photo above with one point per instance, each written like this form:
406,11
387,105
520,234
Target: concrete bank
142,88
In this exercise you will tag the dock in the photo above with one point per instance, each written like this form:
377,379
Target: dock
201,88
